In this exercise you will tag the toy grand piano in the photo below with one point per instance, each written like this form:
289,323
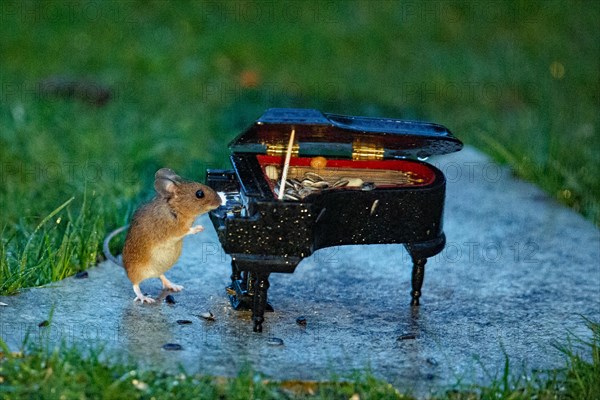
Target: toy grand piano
347,180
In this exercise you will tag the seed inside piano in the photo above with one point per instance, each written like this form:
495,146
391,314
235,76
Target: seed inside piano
303,181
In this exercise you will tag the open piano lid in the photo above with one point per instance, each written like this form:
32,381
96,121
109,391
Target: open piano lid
337,136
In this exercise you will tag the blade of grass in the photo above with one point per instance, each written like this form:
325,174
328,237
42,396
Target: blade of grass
38,227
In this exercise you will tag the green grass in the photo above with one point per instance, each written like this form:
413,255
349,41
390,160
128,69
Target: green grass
67,372
518,80
44,372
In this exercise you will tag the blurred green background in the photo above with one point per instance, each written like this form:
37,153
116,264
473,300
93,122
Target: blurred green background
519,80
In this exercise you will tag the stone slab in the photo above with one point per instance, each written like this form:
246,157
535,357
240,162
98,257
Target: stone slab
518,273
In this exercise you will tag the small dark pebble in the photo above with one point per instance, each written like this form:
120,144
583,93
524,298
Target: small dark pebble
407,337
44,323
184,321
172,346
273,341
432,361
430,377
81,275
170,299
301,320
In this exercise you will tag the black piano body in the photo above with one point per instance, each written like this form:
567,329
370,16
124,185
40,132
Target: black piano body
400,200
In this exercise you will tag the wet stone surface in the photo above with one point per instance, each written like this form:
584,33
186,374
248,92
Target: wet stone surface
517,272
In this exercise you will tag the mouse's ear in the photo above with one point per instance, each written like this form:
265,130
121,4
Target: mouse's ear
167,173
165,187
165,182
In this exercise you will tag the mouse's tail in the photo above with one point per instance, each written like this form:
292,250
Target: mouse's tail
106,248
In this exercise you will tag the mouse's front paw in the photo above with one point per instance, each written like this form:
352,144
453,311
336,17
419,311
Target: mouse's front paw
195,229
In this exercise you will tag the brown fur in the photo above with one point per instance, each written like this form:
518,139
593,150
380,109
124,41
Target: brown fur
155,237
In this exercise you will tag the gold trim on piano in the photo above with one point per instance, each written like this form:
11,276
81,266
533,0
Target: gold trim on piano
366,151
279,149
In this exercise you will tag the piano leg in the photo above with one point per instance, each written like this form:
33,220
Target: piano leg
260,300
418,273
237,291
235,272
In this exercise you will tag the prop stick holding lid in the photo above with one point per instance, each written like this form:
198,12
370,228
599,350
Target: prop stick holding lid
286,165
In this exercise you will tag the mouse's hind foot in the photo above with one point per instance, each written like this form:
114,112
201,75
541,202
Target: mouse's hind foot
144,299
167,284
140,297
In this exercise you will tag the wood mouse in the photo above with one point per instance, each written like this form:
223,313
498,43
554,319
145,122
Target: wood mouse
155,236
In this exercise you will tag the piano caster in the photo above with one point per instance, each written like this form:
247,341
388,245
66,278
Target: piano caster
418,273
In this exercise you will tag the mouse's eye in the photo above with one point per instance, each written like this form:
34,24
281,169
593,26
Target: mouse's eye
199,194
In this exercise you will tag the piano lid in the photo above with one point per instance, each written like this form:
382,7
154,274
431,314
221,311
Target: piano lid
339,136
